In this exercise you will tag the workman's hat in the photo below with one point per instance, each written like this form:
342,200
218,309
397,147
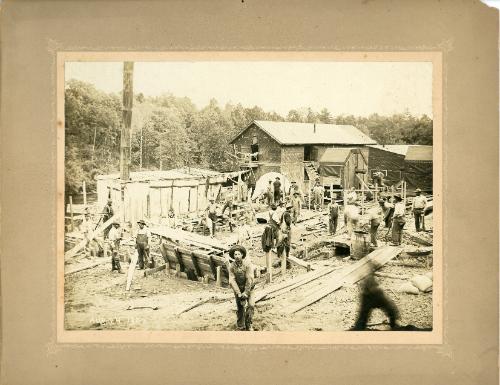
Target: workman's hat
116,224
289,206
273,206
296,193
211,199
110,200
398,198
418,190
142,222
277,177
293,181
239,248
381,201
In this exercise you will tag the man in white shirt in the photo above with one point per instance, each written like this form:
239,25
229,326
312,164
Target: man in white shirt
142,237
398,221
318,196
114,238
352,197
418,207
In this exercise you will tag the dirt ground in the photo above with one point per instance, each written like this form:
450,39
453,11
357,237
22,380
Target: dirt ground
96,299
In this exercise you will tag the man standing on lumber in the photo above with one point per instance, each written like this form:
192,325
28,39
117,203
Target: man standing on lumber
241,280
114,238
373,297
333,216
229,205
398,221
211,211
418,207
107,213
142,244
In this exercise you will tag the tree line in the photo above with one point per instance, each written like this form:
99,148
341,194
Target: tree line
171,132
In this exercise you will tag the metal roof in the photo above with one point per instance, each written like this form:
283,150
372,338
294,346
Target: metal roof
419,153
335,155
415,152
288,133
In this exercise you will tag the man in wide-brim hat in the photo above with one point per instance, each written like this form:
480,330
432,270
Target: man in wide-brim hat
241,280
114,238
142,238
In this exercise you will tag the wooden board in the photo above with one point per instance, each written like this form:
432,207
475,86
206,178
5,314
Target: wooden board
349,275
131,269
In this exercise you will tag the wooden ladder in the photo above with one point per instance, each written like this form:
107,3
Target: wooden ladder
311,171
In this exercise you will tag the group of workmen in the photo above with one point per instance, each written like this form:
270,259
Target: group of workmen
113,235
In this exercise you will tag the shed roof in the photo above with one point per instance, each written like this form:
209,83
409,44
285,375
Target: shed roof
288,133
419,153
411,152
335,155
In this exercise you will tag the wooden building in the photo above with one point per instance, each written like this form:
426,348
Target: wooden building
294,149
413,163
154,195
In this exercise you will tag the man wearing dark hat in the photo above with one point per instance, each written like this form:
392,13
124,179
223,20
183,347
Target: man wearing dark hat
212,215
142,243
283,246
398,221
418,207
107,214
277,189
114,238
241,280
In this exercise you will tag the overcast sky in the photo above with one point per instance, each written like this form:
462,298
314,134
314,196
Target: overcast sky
358,88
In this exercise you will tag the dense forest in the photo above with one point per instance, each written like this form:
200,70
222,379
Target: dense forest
176,133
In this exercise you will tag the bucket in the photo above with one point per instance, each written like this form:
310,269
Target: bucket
360,244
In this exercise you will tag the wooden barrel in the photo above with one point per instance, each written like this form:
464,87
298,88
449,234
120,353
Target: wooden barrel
360,245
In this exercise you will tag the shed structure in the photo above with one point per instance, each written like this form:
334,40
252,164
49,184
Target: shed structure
341,167
154,195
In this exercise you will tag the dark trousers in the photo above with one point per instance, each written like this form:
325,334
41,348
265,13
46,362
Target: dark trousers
277,196
376,300
244,316
418,213
333,224
373,232
397,230
213,218
143,255
115,259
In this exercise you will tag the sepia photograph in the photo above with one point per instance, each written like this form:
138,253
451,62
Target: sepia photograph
211,193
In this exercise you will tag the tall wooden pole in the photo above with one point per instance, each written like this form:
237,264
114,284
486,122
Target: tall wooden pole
128,97
84,190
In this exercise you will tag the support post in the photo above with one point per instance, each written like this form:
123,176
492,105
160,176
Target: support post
283,263
71,212
362,198
218,277
269,266
376,192
128,96
177,270
309,189
84,188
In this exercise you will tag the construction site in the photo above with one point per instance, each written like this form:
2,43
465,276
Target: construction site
194,217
